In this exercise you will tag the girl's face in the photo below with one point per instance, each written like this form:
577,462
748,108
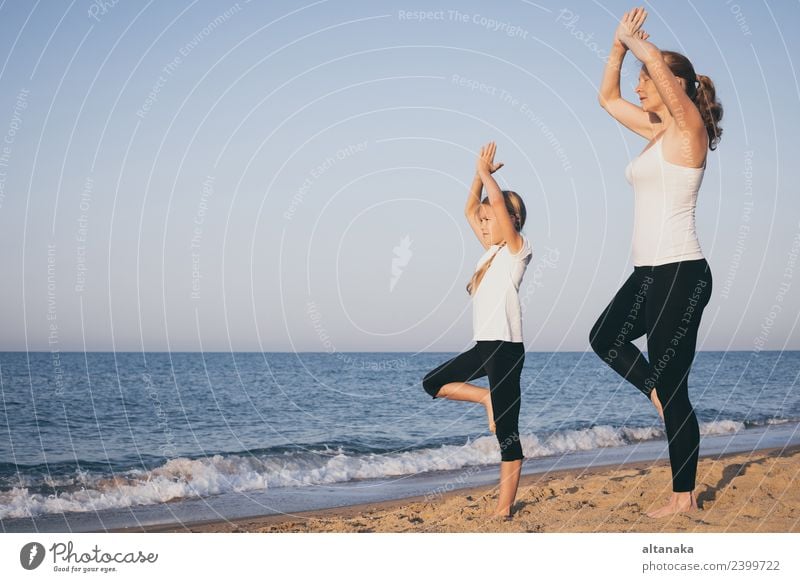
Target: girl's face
489,229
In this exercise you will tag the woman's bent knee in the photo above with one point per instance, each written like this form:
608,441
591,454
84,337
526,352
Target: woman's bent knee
431,386
596,341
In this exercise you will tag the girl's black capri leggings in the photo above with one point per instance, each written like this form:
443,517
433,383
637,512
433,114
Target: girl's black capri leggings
502,361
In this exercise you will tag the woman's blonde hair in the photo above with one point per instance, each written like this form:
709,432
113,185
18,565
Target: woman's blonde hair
516,209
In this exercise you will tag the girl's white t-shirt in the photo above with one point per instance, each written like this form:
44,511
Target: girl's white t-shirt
496,313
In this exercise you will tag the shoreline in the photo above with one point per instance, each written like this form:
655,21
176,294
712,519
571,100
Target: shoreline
755,491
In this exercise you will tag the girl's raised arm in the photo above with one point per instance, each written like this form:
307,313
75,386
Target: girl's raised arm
486,167
471,209
474,201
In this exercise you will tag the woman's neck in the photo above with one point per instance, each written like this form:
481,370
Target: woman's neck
665,118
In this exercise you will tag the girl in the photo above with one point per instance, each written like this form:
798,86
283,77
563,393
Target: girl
671,282
499,352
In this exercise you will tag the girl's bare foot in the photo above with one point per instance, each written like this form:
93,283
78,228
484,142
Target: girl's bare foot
469,393
683,502
487,403
657,403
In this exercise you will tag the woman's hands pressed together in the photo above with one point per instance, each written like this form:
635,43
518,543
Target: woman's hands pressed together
630,27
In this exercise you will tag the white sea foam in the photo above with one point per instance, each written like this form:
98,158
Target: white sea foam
720,427
183,477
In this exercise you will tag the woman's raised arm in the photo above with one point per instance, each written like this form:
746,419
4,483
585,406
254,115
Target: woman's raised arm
670,88
610,98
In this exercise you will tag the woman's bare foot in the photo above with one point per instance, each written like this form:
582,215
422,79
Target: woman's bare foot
487,403
657,403
683,502
500,514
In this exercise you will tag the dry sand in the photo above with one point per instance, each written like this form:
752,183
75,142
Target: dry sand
744,492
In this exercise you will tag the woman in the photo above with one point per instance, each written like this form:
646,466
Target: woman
499,352
671,284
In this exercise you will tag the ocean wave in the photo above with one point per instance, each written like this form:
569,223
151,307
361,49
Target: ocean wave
183,477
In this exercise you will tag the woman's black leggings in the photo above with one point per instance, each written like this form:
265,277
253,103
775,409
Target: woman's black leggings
502,361
666,303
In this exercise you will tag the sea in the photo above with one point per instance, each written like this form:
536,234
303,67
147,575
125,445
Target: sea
111,441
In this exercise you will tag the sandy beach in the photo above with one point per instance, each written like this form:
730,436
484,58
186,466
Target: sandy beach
743,492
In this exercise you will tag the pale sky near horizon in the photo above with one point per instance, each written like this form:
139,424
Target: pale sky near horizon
291,176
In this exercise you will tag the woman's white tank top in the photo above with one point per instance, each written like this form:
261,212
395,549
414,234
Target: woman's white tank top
665,200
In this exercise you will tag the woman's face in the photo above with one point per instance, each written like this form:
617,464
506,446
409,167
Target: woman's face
489,229
648,94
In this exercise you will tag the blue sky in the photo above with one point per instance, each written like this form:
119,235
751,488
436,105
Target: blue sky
285,176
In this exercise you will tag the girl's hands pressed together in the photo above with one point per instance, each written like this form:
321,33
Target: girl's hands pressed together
485,163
